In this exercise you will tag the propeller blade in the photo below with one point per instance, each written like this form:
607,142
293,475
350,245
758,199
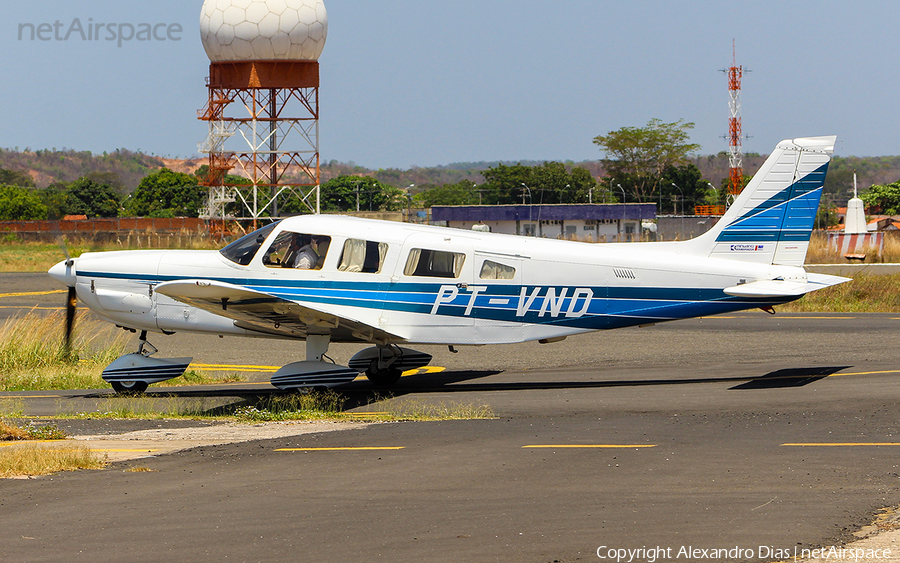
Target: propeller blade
71,301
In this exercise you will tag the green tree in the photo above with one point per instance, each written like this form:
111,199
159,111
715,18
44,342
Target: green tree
884,197
340,195
506,185
15,178
546,183
460,193
56,198
685,186
165,193
636,157
88,197
20,204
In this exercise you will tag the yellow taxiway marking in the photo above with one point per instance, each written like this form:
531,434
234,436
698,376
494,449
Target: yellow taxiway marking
815,318
26,293
272,369
347,449
779,316
592,446
31,308
124,450
843,444
866,372
15,442
234,367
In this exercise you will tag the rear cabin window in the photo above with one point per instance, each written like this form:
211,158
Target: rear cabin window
362,256
303,251
496,271
245,248
434,263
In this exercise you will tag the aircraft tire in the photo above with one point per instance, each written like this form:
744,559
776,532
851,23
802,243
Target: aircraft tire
382,378
129,387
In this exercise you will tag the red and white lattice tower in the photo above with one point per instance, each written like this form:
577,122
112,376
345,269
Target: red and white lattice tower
735,157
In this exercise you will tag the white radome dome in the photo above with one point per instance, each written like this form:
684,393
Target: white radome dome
263,30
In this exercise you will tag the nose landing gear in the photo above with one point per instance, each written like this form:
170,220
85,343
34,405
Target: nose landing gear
131,374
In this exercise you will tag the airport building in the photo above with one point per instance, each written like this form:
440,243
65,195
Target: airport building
597,222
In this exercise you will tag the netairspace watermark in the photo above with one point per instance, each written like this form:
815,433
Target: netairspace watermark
76,30
689,553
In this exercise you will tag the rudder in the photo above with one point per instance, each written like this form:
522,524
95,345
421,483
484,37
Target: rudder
772,219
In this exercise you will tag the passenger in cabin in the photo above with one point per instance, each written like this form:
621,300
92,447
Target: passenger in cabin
307,257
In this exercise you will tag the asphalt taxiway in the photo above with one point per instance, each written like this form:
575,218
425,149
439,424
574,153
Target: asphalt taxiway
753,431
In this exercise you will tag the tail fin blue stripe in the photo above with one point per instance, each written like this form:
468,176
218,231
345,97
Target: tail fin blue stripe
788,215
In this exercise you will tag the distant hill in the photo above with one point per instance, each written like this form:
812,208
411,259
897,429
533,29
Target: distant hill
48,166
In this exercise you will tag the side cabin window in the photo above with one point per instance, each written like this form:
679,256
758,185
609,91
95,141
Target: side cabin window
303,251
496,271
362,256
245,248
434,263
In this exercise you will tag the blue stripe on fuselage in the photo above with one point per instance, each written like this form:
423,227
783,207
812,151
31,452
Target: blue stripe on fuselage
609,307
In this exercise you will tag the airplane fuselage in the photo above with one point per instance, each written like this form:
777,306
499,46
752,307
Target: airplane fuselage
476,288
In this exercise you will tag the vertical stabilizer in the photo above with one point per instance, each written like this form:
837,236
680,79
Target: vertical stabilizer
772,220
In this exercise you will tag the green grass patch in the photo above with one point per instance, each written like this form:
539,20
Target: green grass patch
313,406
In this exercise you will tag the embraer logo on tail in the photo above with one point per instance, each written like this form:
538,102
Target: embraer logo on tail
571,302
747,247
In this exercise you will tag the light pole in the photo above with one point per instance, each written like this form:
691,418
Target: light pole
623,211
530,203
682,199
717,195
591,194
409,202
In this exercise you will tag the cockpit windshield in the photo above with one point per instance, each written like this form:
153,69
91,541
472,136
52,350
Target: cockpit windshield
245,248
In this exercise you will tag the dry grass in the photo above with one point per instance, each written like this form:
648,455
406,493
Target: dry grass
33,357
13,433
10,432
820,253
408,409
46,458
867,293
40,256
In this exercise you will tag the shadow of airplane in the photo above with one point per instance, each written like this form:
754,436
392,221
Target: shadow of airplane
362,393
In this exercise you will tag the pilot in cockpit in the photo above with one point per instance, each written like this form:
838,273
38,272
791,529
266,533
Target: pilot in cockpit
303,248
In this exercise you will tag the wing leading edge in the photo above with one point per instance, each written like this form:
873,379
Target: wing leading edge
266,313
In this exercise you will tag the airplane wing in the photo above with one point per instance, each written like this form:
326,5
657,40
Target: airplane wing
265,313
781,288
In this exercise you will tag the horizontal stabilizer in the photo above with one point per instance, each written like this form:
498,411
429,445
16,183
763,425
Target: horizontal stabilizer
781,288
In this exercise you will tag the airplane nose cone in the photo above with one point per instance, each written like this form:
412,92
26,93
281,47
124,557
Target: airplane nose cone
64,272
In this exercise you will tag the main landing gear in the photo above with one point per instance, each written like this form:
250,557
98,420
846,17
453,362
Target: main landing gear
382,365
133,373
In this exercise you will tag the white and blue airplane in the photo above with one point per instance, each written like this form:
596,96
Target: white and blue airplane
390,284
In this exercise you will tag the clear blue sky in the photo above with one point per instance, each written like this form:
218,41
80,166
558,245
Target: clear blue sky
411,83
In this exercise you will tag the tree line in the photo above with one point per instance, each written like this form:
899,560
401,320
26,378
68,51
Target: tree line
649,164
